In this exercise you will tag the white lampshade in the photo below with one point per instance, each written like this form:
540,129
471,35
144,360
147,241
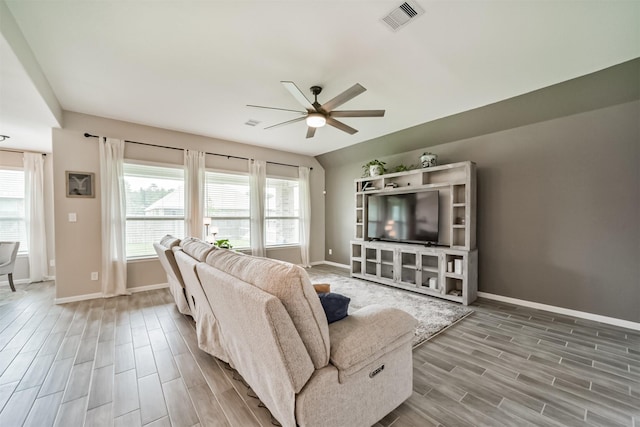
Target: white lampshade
316,120
206,220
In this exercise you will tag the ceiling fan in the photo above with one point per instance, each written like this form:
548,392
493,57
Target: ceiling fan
317,115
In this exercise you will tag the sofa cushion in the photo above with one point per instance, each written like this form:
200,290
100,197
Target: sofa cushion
165,255
174,277
169,241
261,340
196,248
207,329
291,285
335,306
367,334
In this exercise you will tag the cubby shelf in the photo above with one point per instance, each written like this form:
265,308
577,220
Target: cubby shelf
417,268
431,263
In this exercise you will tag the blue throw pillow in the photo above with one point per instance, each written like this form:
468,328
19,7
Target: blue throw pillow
335,306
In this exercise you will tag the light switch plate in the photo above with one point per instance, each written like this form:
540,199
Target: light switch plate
73,217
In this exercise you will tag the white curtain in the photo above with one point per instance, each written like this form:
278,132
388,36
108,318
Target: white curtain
194,193
34,207
257,182
114,259
305,215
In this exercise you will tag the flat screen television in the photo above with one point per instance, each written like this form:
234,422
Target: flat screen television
409,217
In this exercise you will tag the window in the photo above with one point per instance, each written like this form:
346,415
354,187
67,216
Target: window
155,206
227,203
282,212
12,210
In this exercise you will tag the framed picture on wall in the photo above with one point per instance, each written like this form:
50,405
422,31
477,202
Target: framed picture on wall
80,184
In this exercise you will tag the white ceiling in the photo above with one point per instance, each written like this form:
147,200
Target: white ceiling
193,66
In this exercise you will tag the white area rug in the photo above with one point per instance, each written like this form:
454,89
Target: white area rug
433,314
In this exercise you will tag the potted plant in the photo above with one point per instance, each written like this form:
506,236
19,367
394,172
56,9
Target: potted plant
428,159
403,168
223,244
374,168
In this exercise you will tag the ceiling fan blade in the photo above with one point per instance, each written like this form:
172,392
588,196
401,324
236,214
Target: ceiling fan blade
274,108
358,113
336,124
345,96
298,119
298,95
311,131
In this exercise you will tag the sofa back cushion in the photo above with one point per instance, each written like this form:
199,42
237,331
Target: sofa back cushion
291,285
260,339
169,241
196,248
207,329
165,255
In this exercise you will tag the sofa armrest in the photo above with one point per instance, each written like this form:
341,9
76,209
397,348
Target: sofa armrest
367,334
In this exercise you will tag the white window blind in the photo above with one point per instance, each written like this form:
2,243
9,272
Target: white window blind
155,206
12,211
227,204
282,212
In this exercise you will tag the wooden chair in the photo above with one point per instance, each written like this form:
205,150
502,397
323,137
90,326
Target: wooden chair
8,252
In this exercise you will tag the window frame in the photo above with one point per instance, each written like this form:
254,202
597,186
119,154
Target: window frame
266,218
23,250
154,218
229,218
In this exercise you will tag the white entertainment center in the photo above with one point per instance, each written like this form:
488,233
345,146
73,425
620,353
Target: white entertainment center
448,270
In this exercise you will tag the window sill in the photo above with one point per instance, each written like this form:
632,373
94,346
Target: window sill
278,247
142,259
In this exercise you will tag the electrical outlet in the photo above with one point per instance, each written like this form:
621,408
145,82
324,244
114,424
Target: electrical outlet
52,263
94,275
73,217
330,251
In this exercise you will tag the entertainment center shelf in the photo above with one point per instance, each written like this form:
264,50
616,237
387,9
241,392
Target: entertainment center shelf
446,270
427,270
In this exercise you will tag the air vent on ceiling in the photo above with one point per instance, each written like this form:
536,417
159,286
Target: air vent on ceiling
251,122
402,15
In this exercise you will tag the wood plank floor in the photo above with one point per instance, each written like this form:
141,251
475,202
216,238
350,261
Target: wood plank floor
134,361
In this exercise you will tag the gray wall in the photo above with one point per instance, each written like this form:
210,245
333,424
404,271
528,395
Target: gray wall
558,201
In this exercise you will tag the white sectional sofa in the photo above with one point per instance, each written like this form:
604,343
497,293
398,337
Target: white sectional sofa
265,319
164,249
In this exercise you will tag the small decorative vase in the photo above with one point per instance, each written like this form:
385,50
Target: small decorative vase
428,160
375,170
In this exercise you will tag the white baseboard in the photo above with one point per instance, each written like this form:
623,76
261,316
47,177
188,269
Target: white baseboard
100,295
561,310
75,298
148,287
26,281
15,282
335,264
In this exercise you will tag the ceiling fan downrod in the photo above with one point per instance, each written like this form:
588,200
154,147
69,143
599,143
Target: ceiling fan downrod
315,90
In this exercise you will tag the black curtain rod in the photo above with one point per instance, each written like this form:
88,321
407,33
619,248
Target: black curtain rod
11,150
88,135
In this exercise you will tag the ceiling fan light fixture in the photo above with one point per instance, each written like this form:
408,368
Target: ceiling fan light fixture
316,120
